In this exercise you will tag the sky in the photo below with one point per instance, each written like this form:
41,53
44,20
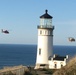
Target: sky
21,18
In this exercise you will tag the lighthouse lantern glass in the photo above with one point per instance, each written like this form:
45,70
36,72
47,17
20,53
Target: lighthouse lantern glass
46,22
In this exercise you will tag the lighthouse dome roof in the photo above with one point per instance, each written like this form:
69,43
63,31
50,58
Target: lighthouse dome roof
46,15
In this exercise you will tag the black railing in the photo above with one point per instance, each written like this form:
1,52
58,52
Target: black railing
45,26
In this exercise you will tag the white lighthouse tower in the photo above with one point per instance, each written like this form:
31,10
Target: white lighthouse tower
45,41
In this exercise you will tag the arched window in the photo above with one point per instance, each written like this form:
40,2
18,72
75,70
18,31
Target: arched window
55,65
61,65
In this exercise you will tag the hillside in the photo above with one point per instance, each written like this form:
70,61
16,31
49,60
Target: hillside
69,69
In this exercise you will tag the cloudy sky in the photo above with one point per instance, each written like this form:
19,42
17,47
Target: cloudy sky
21,18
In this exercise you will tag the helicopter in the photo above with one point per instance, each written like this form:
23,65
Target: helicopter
71,39
5,31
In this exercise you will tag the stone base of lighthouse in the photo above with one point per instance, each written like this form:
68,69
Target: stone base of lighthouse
46,66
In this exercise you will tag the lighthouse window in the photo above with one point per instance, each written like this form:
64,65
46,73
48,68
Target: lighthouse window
49,32
40,32
39,51
45,32
61,65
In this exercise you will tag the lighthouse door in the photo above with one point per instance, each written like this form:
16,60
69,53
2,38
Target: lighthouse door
55,65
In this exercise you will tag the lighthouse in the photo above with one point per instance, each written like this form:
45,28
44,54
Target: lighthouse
45,41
